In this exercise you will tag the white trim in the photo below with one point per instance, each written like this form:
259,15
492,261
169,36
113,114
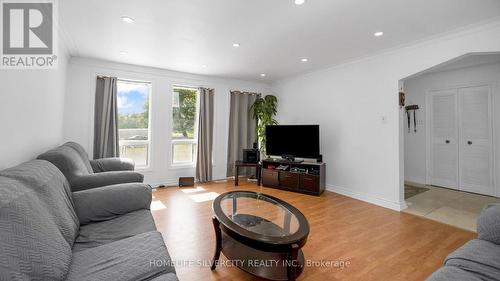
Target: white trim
396,206
183,77
412,183
166,183
415,180
182,166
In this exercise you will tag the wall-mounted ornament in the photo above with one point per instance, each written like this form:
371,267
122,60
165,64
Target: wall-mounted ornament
401,98
409,109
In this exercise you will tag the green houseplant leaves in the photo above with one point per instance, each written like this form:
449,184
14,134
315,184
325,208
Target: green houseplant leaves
264,110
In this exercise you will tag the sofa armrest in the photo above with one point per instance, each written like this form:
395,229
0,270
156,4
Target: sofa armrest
112,164
488,224
105,178
107,202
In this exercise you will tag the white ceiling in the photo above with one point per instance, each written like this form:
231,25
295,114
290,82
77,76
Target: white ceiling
274,35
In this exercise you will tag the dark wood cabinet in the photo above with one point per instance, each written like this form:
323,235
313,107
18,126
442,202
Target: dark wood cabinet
302,177
270,177
289,180
309,182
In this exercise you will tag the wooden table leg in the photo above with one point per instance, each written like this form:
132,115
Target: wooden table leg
237,168
292,263
218,243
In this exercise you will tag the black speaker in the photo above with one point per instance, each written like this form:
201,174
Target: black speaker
251,155
186,181
320,159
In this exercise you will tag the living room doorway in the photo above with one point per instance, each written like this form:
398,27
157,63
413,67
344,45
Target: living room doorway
449,136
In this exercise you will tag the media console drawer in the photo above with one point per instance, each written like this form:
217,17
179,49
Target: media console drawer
270,177
309,182
289,180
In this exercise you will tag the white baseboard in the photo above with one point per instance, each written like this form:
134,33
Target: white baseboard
415,181
175,182
168,182
396,206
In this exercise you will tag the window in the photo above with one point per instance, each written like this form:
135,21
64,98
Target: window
185,125
133,120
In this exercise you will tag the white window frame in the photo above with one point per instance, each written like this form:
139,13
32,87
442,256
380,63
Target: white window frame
149,84
188,141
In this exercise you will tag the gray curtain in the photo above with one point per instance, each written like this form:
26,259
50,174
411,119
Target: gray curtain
241,129
106,139
205,135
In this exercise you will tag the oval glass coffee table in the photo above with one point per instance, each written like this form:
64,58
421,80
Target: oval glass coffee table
260,234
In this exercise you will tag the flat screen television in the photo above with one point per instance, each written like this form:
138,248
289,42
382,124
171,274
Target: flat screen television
297,140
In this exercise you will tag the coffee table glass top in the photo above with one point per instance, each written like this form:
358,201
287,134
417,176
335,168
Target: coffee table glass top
260,214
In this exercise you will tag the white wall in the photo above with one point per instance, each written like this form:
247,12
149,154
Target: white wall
416,89
349,101
31,111
80,100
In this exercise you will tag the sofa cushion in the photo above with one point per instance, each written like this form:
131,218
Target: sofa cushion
83,154
53,190
31,245
100,233
67,160
112,164
109,202
141,257
451,273
488,224
479,257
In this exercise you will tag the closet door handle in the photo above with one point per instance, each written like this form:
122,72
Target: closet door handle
447,141
469,142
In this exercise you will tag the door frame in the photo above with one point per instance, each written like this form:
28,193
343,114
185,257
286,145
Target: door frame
428,152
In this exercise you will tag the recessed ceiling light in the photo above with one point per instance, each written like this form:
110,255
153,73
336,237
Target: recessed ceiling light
127,19
236,45
378,34
123,53
299,2
262,75
304,59
204,65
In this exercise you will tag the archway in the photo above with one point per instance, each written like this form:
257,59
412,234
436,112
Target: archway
449,140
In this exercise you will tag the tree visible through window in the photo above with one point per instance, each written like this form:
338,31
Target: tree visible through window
185,123
133,120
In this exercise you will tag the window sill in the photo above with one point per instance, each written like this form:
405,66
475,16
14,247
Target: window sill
145,169
182,166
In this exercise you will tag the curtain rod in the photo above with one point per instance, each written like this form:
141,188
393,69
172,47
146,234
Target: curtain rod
244,92
125,80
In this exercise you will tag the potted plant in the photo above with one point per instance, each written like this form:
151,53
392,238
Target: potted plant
264,110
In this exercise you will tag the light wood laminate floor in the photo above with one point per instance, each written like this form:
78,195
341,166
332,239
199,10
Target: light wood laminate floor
380,244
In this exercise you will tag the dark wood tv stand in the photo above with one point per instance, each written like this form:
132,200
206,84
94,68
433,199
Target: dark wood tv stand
312,181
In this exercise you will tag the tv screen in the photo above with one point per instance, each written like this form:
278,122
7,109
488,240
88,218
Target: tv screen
298,140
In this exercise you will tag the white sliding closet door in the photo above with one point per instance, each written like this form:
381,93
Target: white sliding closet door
444,138
475,140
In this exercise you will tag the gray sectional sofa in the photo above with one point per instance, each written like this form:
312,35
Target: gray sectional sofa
478,259
50,233
83,173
